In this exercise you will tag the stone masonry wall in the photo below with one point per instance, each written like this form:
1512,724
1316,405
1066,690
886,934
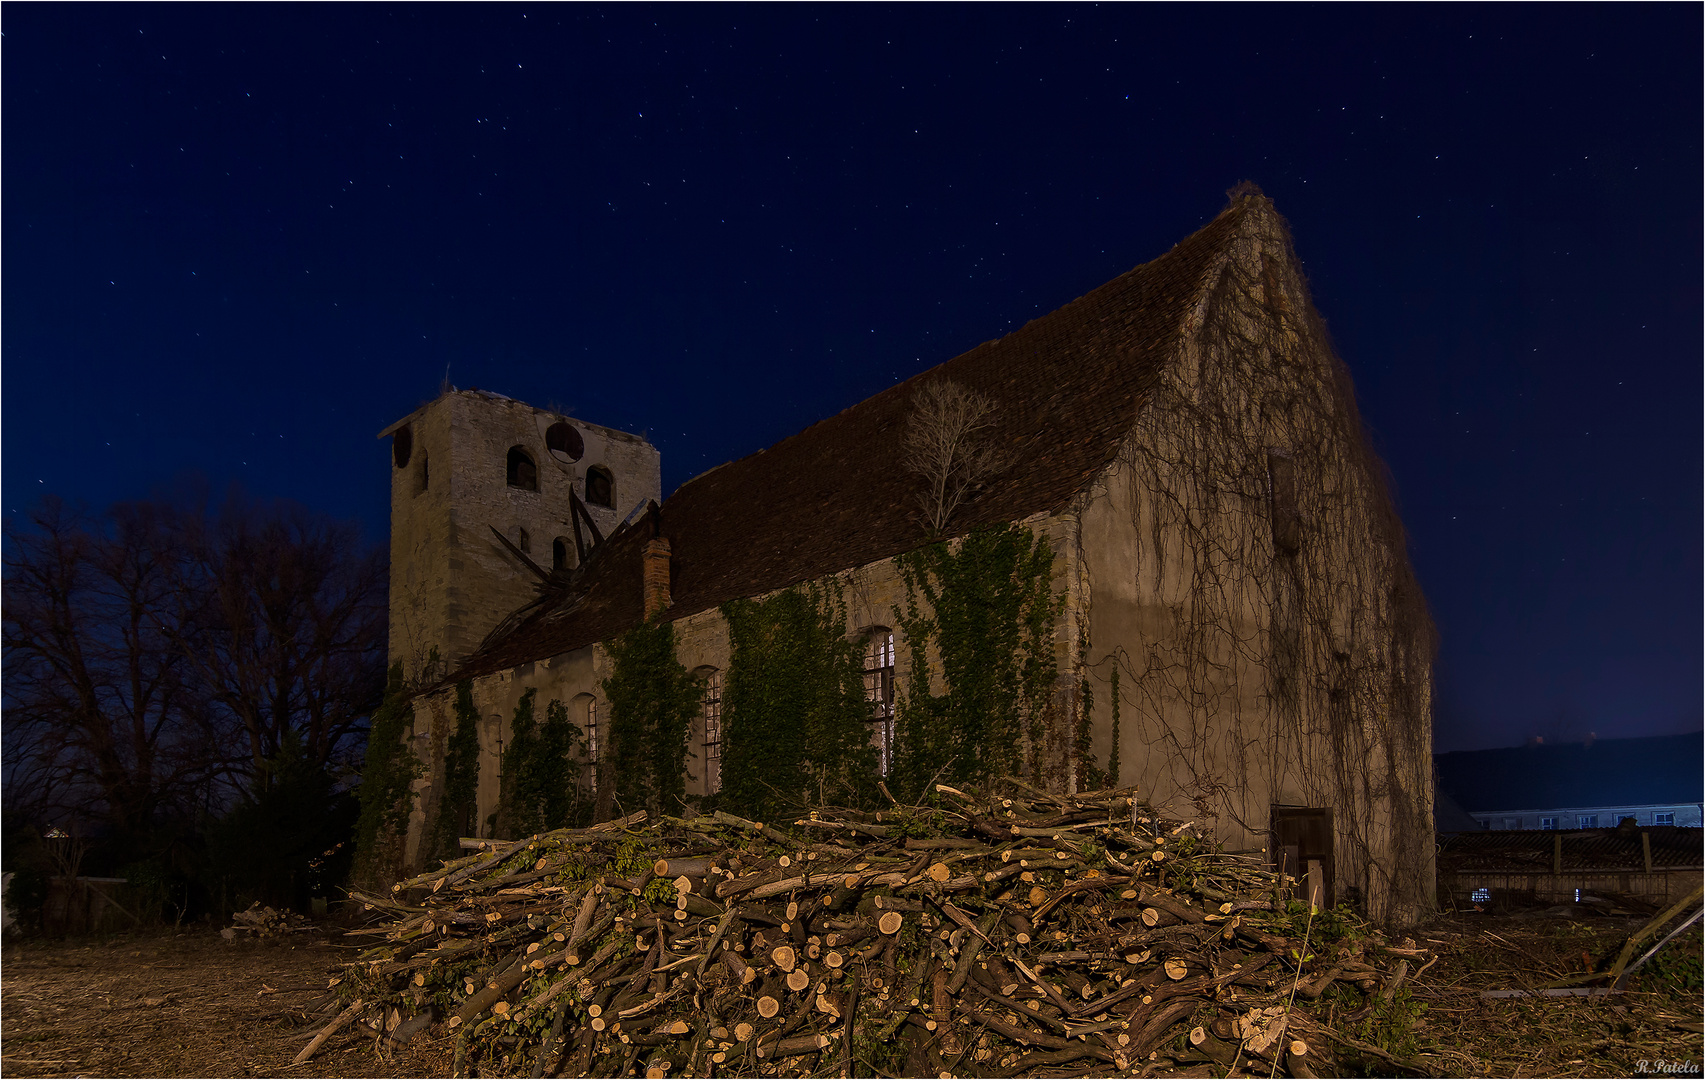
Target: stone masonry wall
452,581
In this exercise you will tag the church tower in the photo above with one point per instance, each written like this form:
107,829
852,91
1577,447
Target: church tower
471,462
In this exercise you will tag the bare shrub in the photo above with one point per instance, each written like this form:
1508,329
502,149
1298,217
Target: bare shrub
950,442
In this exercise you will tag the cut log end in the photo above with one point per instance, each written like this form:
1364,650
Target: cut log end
768,1007
784,957
798,980
890,922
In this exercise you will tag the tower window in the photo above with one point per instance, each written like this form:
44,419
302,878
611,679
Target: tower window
559,554
526,541
425,473
879,692
402,445
523,473
599,487
563,440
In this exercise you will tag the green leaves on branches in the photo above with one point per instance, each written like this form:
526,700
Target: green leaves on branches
795,719
986,610
652,700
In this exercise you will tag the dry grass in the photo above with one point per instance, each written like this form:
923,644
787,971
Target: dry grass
194,1005
1456,1033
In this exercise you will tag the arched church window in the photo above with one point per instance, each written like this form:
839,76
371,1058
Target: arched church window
586,711
599,487
523,471
710,718
879,692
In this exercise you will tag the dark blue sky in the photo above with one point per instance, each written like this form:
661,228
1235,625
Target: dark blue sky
239,240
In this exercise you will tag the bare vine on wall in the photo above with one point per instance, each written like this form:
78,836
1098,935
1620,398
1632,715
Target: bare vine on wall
950,443
1291,648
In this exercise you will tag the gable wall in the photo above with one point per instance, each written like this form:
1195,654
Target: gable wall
1249,676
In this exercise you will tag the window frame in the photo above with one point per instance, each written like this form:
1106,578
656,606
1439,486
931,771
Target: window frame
879,656
710,729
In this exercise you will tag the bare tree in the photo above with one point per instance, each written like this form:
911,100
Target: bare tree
158,660
950,442
286,632
101,722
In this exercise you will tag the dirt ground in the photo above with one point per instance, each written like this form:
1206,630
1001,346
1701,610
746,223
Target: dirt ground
189,1004
192,1004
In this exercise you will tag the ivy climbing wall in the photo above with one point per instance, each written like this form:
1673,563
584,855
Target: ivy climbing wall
1249,589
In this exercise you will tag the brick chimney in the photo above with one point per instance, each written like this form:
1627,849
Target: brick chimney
656,576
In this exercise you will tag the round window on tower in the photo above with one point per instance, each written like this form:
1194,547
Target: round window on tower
564,442
402,445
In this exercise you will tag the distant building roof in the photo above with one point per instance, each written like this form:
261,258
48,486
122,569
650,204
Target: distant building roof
1066,386
1654,770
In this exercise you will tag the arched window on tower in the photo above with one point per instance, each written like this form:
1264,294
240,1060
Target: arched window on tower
600,487
710,726
522,470
402,444
879,692
559,553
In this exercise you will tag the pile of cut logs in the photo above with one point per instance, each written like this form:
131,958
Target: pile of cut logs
999,933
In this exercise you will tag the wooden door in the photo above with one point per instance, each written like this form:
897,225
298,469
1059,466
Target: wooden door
1302,847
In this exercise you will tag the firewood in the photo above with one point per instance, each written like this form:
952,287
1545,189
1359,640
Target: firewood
761,959
327,1032
1213,1048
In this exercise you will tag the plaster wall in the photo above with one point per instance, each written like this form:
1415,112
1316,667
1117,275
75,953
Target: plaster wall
872,594
1253,673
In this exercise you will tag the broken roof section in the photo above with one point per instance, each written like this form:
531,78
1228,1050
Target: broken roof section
1066,388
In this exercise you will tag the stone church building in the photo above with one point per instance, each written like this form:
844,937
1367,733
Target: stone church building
1185,438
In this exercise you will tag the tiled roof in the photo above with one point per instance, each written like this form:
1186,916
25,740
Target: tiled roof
1589,849
1066,386
1652,771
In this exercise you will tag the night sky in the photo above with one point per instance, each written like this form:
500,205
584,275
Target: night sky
240,240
